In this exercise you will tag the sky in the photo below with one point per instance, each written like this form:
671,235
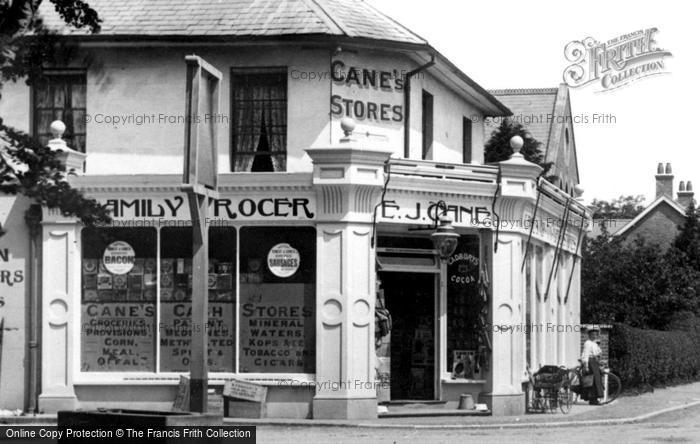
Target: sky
516,44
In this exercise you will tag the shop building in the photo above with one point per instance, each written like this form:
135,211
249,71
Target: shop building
321,228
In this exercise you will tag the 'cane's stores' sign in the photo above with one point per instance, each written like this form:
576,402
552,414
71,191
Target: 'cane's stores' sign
367,94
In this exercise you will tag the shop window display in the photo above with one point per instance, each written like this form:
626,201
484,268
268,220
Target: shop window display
277,299
463,308
118,300
176,299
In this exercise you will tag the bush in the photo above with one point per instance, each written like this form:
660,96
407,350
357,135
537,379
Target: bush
643,358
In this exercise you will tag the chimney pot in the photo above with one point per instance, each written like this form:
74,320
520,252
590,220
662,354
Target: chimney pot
685,194
664,181
681,186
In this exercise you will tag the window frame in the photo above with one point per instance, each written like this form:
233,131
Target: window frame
70,134
172,378
467,139
252,70
427,125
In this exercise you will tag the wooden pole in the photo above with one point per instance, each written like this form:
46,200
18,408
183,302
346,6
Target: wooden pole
200,303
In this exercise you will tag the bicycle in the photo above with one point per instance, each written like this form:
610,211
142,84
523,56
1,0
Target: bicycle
611,383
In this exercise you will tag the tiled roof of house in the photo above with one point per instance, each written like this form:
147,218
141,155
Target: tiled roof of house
239,18
530,107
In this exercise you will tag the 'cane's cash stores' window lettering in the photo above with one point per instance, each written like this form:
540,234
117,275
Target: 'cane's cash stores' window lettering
176,299
137,299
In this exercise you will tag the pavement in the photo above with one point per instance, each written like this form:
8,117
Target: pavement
627,409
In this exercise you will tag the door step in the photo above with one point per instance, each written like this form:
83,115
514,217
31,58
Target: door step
423,408
417,413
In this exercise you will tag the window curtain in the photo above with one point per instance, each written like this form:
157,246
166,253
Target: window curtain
249,112
276,119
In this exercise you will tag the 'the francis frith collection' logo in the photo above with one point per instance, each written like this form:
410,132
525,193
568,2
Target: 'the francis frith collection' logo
616,62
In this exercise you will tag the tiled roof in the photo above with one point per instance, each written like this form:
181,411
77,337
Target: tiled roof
530,107
613,226
239,18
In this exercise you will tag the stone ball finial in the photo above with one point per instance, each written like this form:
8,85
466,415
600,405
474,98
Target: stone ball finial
347,125
578,191
668,168
516,143
660,168
689,186
57,129
681,186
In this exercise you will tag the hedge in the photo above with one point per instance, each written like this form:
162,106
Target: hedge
643,358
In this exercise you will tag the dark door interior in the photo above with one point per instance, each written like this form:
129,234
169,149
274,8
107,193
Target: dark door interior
410,298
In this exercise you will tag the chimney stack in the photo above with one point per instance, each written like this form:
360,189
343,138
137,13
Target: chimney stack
664,181
685,194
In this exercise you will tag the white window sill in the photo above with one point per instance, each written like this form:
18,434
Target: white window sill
463,381
271,380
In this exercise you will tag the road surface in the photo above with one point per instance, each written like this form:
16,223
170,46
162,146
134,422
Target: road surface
676,427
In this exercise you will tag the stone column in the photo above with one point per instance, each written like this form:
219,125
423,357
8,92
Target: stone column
60,302
348,179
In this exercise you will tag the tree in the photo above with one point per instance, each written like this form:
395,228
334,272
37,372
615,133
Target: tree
688,240
638,283
498,149
26,166
623,207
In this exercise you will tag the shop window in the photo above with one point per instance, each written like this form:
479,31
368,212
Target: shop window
465,350
427,126
277,300
118,300
466,140
61,96
176,299
259,120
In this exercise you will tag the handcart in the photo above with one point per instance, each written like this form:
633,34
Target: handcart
550,388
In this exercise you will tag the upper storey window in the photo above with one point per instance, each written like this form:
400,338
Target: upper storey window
61,96
259,120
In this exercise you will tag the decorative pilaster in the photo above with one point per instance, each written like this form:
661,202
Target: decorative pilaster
348,179
60,283
518,184
60,322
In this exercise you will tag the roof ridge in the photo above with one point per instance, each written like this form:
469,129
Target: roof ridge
514,91
325,16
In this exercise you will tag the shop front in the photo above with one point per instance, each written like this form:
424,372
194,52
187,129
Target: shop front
325,287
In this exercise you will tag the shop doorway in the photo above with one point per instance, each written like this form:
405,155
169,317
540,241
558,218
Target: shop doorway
410,298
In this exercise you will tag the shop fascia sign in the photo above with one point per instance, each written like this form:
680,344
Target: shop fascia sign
367,94
470,214
465,213
225,209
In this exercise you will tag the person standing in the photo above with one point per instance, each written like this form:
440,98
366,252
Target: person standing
590,358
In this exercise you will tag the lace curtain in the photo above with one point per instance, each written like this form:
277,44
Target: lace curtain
260,121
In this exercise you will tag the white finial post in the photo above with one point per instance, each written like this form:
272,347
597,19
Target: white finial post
57,129
516,143
348,126
72,159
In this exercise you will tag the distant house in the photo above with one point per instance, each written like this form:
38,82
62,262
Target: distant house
659,222
546,114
